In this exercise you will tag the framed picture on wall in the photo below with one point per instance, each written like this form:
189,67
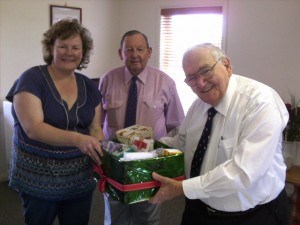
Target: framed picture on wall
61,12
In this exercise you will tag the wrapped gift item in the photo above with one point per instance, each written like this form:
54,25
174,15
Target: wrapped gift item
142,144
129,156
165,152
131,181
127,135
111,146
116,149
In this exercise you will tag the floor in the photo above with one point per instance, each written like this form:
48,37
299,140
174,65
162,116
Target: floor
11,209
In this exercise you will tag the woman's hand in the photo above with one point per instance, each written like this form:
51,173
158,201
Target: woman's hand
95,151
91,147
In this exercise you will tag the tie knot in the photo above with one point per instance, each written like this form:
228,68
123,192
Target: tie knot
134,78
212,112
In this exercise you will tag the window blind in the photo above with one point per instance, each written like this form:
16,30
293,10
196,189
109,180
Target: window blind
180,29
171,35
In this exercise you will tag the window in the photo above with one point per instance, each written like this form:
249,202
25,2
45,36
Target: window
180,29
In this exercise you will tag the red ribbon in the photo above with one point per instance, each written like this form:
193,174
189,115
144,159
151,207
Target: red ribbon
102,181
127,187
139,186
140,144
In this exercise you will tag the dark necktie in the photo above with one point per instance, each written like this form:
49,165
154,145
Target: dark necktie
131,103
202,145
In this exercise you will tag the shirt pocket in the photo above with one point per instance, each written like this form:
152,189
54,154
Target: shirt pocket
154,110
225,150
113,112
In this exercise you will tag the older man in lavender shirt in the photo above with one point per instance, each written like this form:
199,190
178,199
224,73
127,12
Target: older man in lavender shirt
158,106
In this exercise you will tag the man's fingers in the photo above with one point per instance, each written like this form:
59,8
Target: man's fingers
158,177
157,199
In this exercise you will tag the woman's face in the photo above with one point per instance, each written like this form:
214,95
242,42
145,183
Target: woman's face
67,54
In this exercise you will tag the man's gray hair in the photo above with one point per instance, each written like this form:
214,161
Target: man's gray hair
216,52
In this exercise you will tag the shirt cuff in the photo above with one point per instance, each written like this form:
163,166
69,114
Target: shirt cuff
192,188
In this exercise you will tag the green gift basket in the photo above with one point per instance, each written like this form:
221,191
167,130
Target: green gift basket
131,181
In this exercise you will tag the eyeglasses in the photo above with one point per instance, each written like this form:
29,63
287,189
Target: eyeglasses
206,74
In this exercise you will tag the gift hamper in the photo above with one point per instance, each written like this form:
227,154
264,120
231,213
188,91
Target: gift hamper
126,170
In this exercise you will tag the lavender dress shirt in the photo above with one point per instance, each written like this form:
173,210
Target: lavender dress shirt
158,103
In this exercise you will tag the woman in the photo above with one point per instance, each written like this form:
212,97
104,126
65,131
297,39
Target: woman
57,130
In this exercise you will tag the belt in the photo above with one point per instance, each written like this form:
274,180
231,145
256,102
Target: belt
214,212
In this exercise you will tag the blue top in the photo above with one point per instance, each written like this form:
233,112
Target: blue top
46,171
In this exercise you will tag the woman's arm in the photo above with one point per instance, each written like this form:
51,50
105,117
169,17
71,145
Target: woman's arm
95,127
29,111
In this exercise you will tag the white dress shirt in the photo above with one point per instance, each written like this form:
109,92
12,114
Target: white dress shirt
243,165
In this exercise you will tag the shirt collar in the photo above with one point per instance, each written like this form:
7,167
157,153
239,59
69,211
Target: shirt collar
223,106
142,76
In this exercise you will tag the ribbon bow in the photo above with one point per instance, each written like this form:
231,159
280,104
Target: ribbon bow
102,181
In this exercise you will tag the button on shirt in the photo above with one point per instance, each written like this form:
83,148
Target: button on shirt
243,165
158,103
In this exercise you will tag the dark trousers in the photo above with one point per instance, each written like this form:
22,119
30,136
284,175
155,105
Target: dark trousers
69,212
276,212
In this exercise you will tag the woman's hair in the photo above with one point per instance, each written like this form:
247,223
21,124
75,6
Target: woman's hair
63,30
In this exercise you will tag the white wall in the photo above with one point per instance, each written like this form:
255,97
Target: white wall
8,127
263,41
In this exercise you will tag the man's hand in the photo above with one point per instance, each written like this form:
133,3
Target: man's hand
169,189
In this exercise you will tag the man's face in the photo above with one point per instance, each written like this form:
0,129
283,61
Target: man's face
207,76
135,53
